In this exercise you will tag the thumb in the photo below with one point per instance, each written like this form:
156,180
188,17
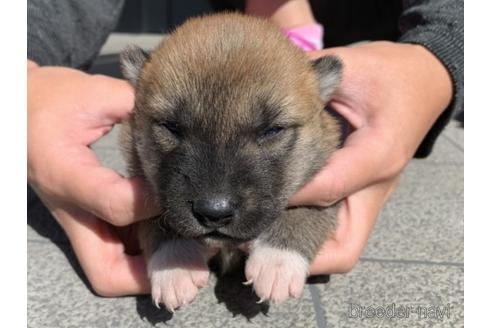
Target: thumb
355,166
116,98
104,193
115,199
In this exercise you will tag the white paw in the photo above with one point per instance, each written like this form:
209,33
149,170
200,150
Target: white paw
177,269
276,274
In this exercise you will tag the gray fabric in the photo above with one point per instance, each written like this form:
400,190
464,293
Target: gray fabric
69,32
438,25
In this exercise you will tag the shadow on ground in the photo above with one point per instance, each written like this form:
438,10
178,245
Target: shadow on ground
238,298
45,225
229,290
460,117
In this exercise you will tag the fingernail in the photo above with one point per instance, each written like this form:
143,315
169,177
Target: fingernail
330,203
248,282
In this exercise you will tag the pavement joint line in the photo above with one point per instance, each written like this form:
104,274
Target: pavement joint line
362,259
319,313
436,163
402,261
454,143
47,241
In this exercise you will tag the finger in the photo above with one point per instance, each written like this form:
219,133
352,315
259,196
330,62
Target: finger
109,102
313,55
116,97
117,200
106,194
365,159
129,238
356,218
101,254
129,276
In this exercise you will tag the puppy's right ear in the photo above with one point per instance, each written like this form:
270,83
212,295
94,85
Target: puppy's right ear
132,60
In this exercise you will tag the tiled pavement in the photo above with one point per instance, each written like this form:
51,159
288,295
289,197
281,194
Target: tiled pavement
411,274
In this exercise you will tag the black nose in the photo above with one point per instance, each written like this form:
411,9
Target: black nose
214,212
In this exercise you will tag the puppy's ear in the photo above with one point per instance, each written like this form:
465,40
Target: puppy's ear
329,71
132,60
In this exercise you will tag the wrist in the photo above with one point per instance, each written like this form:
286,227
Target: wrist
441,79
423,87
417,70
31,65
284,13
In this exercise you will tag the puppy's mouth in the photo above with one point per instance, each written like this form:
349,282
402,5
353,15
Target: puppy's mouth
217,235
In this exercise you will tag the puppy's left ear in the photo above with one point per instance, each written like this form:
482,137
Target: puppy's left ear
329,70
132,60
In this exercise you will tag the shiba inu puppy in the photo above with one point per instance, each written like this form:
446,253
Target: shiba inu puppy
229,122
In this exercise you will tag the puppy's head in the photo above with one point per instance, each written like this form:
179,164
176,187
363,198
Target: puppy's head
229,123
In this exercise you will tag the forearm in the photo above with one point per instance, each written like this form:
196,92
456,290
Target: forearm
438,26
68,32
285,13
31,64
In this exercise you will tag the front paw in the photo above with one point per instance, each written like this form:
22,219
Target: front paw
177,270
276,274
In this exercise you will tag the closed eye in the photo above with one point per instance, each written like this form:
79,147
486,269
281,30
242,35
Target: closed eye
271,132
172,127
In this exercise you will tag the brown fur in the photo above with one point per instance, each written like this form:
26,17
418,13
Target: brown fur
227,77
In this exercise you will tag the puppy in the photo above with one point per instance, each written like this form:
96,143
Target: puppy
229,122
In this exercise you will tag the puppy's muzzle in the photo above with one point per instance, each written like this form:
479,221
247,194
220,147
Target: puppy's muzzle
214,212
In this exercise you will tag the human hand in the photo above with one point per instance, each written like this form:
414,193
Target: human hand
391,94
67,111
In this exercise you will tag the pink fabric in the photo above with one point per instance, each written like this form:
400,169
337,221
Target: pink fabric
308,37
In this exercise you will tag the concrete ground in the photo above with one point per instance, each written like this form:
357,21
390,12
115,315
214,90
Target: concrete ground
410,275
